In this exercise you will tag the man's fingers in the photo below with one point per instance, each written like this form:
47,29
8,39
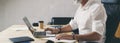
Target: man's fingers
60,36
48,29
63,36
53,31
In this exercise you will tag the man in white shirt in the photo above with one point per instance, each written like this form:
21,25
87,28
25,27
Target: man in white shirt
90,20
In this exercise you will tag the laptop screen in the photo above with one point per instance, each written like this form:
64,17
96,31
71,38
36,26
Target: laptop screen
28,24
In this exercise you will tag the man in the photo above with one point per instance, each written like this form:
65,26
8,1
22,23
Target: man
90,20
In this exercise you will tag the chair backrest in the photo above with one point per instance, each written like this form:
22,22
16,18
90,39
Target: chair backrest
60,20
111,1
117,33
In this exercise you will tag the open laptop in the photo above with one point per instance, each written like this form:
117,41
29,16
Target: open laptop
40,34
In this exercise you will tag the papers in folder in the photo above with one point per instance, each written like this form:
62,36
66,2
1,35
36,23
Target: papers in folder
56,40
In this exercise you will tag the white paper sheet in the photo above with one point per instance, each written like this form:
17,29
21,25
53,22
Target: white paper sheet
56,40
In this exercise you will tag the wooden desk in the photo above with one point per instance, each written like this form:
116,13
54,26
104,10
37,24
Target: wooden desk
14,31
18,31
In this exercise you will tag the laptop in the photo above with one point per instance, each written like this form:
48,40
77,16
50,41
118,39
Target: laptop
37,34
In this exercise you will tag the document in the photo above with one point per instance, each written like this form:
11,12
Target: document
56,40
19,27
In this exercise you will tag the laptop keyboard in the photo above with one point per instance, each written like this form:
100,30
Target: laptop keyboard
40,33
57,26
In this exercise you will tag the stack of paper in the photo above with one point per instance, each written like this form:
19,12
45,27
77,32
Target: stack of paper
56,40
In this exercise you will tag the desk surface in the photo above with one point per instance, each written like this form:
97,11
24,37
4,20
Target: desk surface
14,31
17,31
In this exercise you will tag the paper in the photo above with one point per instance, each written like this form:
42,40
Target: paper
56,40
19,27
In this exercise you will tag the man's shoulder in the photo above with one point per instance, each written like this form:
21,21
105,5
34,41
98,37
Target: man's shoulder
95,5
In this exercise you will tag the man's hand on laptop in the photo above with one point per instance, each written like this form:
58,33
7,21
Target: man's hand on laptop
53,30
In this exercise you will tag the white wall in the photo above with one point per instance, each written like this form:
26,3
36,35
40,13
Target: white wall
35,10
2,12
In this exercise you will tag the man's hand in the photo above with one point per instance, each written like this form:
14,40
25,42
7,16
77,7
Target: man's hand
53,30
64,36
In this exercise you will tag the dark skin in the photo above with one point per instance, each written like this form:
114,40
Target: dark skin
84,2
92,36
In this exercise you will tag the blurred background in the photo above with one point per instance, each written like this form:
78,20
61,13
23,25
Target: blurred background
12,11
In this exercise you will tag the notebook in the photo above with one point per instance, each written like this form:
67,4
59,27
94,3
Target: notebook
21,39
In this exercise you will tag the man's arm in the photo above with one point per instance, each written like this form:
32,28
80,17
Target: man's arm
66,28
94,36
85,37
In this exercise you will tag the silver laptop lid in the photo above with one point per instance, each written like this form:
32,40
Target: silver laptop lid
28,25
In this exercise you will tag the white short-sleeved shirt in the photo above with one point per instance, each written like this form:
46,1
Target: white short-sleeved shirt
90,18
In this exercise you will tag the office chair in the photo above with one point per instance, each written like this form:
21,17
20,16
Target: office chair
113,17
117,33
60,20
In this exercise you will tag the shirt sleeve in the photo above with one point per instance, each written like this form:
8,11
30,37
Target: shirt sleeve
99,19
73,24
98,27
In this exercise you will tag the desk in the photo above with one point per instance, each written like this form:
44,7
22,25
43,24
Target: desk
13,31
18,31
